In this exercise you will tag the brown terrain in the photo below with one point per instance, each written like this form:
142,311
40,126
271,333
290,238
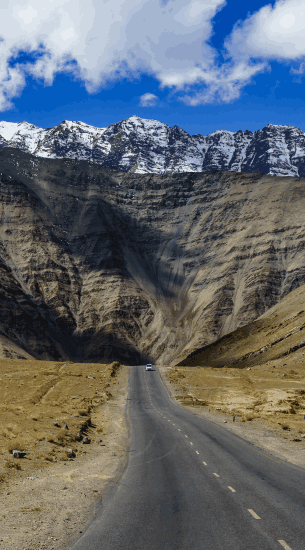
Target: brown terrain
102,265
48,495
199,270
259,405
254,375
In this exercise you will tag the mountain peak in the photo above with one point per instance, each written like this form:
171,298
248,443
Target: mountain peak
144,145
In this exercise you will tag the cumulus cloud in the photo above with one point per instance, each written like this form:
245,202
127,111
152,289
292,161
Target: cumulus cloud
222,84
272,32
148,100
100,41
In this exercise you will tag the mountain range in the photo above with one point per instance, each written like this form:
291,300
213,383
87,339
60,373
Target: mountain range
100,264
148,146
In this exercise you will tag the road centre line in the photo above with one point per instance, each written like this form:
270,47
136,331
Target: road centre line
239,438
253,513
281,542
211,422
284,544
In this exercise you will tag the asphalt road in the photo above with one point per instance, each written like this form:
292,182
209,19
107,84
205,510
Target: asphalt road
190,484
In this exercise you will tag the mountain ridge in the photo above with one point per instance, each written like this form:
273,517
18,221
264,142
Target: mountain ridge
98,264
150,146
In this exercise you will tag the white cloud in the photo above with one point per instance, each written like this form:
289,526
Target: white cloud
148,100
273,32
99,41
222,84
102,40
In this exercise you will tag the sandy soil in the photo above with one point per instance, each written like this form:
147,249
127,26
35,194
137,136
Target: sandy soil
219,395
46,505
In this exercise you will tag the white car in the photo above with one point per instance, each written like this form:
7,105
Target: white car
149,366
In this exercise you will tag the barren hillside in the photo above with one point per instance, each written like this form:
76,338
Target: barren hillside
277,334
100,265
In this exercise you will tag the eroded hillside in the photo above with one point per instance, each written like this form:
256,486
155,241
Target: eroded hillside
102,265
278,335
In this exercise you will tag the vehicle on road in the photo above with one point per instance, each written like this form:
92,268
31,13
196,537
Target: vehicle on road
149,366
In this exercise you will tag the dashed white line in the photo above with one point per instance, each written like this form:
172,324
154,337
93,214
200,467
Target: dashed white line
281,542
284,544
253,513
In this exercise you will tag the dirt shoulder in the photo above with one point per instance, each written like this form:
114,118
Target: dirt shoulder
211,394
46,505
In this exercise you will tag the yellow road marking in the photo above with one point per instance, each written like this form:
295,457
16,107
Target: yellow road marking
174,424
284,544
191,443
215,475
179,430
168,421
197,453
231,489
185,436
204,463
253,513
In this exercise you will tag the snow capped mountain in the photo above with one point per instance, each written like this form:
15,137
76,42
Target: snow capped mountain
142,145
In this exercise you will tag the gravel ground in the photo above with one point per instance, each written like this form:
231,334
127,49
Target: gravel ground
49,509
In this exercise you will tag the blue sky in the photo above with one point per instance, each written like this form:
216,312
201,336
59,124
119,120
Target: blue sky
201,65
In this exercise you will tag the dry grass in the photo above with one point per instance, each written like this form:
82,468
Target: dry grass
83,412
10,430
17,444
12,465
273,391
34,395
67,455
248,417
45,456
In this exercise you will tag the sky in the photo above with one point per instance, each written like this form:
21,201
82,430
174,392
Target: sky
203,65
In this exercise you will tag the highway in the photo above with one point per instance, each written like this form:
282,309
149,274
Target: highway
192,485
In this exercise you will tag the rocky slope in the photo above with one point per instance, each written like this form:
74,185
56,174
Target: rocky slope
142,146
277,336
99,264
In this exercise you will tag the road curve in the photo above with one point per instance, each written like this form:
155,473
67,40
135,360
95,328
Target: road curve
192,485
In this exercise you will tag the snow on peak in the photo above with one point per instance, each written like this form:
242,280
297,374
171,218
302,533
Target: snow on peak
225,132
279,126
71,124
149,145
9,129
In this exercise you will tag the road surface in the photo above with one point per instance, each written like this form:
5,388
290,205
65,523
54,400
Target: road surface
192,485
